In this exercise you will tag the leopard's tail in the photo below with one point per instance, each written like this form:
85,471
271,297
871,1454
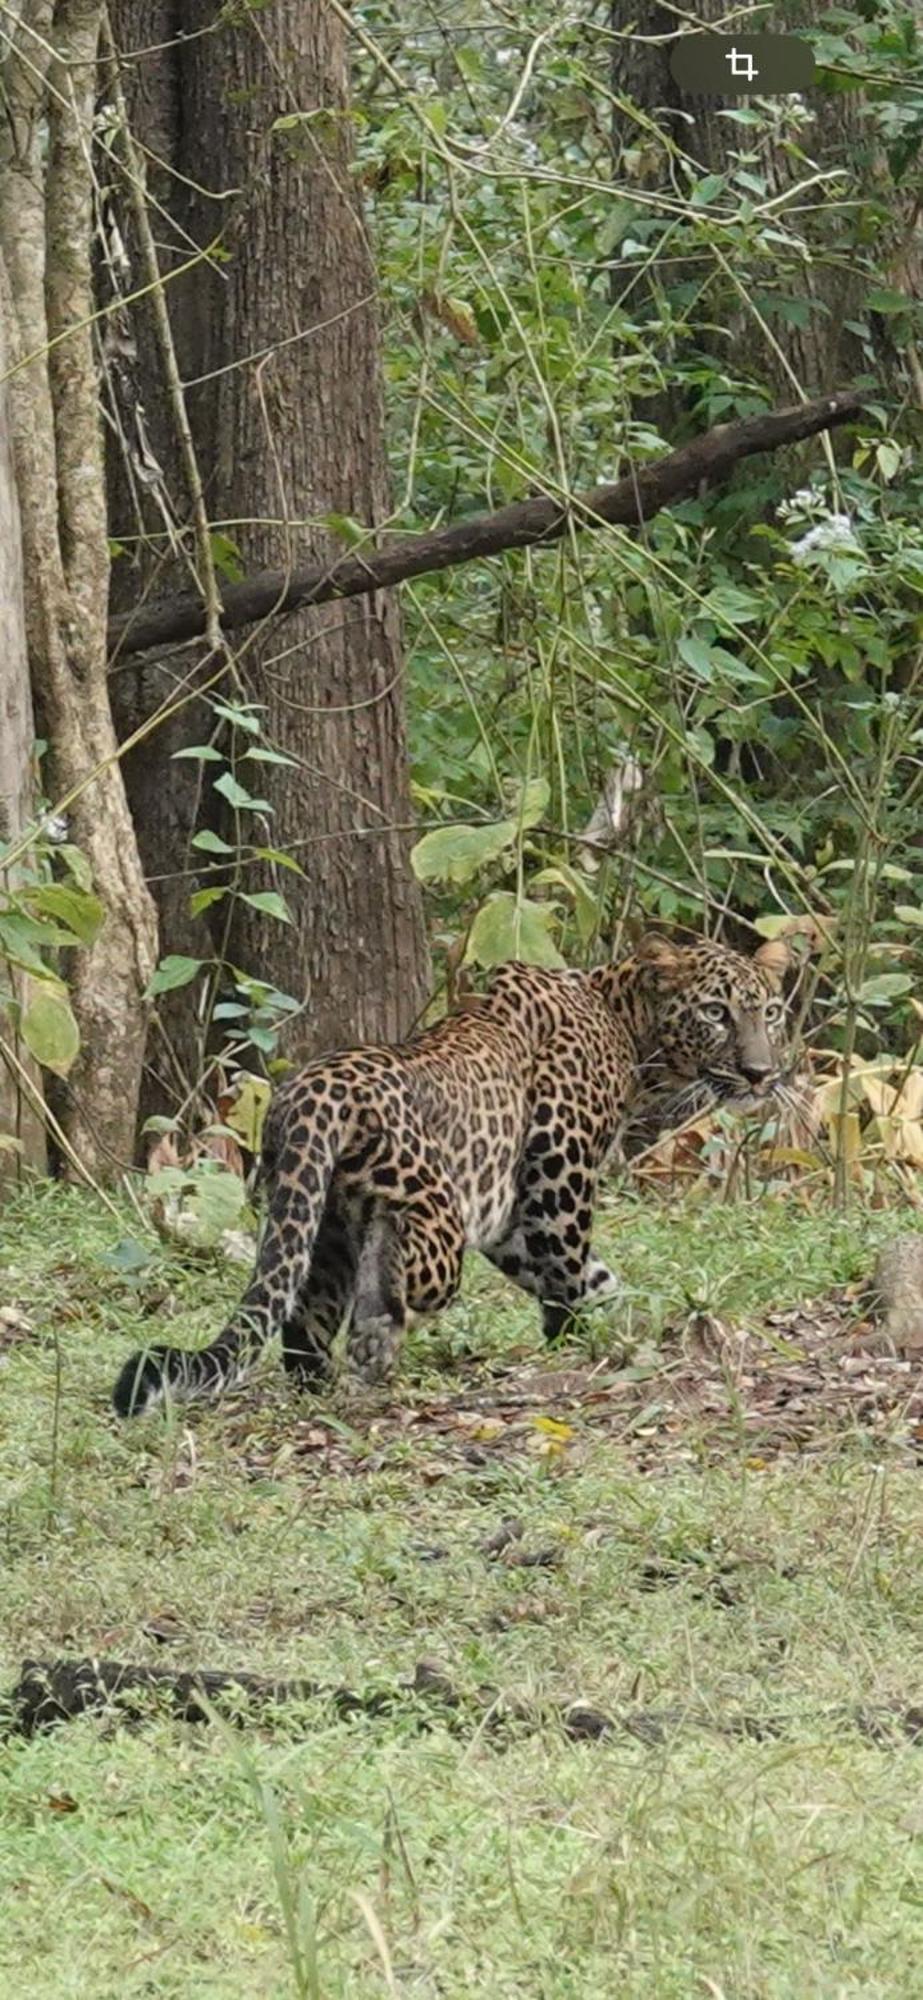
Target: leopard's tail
295,1211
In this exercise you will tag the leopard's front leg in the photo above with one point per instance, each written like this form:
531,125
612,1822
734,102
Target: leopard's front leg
547,1250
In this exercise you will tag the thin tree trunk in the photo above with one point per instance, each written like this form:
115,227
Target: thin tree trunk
45,233
22,1135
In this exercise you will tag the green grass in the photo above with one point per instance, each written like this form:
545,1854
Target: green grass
310,1855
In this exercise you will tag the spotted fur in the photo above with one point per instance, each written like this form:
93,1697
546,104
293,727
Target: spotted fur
487,1131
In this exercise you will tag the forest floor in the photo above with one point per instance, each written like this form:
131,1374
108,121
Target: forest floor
668,1595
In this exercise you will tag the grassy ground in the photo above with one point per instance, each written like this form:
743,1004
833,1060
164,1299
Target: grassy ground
423,1853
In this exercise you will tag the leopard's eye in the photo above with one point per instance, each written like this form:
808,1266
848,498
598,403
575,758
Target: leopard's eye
714,1012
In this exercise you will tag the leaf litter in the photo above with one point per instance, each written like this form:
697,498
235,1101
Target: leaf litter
795,1382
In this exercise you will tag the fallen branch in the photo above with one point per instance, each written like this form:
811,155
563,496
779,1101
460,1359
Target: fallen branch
54,1691
629,502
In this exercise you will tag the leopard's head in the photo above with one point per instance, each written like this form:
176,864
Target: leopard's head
715,1022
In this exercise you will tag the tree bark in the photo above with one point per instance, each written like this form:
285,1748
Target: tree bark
283,442
45,232
22,1134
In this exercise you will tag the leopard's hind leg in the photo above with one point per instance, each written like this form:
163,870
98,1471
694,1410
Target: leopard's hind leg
409,1265
323,1302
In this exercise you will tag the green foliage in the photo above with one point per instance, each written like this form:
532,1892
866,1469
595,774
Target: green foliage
50,1032
508,926
42,916
249,1013
173,971
458,853
572,288
207,1194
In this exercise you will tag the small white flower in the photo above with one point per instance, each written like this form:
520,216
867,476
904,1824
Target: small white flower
805,501
836,532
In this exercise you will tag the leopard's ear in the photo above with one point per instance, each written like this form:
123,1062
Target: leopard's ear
658,953
774,958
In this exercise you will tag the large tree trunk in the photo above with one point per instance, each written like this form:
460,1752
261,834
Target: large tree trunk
284,440
22,1134
46,215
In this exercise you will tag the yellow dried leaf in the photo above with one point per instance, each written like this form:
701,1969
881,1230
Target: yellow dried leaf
490,1427
790,1156
901,1138
245,1116
554,1428
844,1135
453,314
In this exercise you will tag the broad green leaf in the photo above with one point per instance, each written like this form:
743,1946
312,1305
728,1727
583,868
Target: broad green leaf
173,971
881,300
203,900
883,987
728,603
698,656
456,853
261,755
533,802
237,796
706,190
586,909
128,1255
270,902
204,752
242,715
346,529
226,556
506,927
262,1038
22,939
79,909
909,913
754,183
281,860
211,843
49,1030
701,745
219,1203
888,459
76,864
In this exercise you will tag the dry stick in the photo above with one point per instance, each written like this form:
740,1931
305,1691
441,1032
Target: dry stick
627,503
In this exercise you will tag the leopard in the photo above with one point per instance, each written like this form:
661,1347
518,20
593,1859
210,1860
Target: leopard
488,1129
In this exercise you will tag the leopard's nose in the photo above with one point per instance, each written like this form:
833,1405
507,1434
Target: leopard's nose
756,1072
